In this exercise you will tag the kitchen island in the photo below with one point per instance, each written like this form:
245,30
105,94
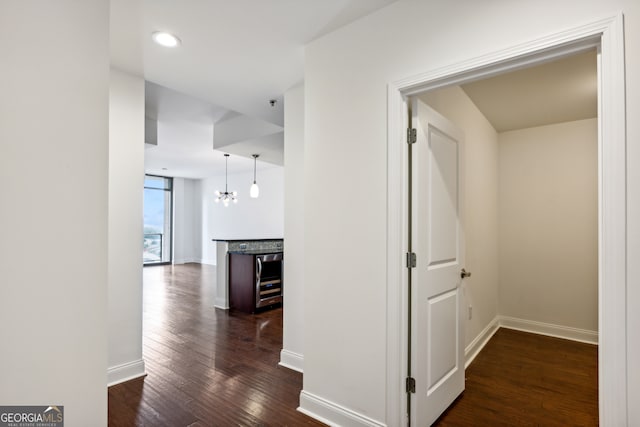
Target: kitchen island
249,248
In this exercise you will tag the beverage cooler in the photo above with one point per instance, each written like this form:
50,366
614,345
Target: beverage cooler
255,281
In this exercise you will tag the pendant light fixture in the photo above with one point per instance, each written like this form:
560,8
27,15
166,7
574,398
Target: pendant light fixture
227,196
254,192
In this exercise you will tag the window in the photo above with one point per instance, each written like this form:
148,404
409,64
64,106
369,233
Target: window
158,196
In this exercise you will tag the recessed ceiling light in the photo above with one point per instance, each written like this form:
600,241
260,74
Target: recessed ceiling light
165,39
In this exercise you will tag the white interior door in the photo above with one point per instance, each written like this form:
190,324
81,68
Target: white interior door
437,240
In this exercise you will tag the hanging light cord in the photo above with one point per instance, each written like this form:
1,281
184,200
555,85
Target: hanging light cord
255,158
254,191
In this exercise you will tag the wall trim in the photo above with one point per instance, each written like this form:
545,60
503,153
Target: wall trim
125,372
478,343
333,414
187,261
607,35
221,304
531,326
557,331
205,261
291,360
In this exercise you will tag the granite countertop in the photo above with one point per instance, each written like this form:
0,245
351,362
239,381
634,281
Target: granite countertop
256,251
247,240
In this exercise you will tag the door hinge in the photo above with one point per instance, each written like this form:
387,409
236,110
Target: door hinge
411,385
412,260
412,136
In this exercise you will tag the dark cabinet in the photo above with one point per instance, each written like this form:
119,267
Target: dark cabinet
255,281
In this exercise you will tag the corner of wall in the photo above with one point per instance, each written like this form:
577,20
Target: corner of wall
294,212
478,343
291,360
125,212
548,329
126,372
333,414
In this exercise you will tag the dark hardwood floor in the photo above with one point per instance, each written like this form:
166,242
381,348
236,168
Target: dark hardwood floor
522,379
209,367
206,367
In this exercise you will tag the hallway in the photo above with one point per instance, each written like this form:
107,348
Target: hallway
209,367
205,366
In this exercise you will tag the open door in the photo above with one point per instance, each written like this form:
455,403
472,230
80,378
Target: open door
437,337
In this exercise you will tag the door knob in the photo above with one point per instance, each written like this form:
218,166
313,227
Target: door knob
464,273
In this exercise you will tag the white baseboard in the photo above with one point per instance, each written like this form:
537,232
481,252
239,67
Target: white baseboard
195,260
221,303
187,261
125,372
480,341
333,414
557,331
291,360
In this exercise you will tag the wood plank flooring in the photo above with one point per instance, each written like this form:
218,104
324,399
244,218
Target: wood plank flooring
522,379
206,367
209,367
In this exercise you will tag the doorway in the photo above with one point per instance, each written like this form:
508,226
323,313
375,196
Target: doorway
606,36
529,208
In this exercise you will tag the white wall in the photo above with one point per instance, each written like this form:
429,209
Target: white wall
208,248
198,238
186,221
126,182
293,313
261,218
481,205
548,210
346,149
54,86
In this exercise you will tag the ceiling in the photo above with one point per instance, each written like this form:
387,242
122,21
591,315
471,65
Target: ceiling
238,55
235,57
560,91
186,146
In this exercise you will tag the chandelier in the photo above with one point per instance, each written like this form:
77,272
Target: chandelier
227,196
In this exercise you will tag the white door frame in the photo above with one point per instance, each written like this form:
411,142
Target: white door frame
608,35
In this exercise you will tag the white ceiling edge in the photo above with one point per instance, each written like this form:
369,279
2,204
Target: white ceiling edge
352,12
241,128
270,148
